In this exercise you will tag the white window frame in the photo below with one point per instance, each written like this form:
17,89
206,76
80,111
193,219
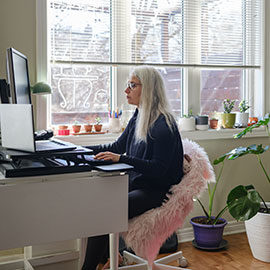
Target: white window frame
191,90
42,48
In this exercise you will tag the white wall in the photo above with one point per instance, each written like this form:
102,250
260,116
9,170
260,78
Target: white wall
18,30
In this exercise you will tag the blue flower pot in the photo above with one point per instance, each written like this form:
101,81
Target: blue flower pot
208,235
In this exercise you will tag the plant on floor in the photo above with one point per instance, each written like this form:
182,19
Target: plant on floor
208,229
244,201
210,220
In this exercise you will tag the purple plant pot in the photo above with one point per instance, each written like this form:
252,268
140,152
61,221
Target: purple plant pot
208,235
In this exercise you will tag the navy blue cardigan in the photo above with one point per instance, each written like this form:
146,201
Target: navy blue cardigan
158,164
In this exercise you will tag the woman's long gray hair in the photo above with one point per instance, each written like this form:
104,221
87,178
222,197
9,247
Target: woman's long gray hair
153,101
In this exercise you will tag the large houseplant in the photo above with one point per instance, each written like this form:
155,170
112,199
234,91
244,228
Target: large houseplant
245,202
208,229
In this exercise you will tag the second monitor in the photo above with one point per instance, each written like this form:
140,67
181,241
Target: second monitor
18,77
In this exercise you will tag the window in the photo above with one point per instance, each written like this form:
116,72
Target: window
79,31
206,50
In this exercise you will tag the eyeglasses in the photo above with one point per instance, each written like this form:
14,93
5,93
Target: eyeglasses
132,85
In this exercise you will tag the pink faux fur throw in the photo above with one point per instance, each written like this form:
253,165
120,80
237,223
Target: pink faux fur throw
147,232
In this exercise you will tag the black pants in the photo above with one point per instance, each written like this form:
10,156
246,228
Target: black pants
139,201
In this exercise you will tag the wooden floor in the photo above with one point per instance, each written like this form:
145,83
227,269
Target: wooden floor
236,256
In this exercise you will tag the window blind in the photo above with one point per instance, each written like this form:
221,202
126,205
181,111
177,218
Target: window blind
200,33
79,30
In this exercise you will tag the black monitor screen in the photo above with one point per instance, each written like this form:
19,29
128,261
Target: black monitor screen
18,78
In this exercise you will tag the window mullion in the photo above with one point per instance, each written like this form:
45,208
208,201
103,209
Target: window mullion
42,113
192,53
120,49
254,80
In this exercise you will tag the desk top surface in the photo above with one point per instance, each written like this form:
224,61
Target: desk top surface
56,177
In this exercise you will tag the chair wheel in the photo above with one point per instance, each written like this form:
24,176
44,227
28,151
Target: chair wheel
183,262
125,262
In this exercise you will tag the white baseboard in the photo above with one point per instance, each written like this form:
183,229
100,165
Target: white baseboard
54,258
186,234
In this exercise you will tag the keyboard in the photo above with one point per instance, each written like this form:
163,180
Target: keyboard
53,145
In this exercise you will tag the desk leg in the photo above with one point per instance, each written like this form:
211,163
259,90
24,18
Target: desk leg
114,246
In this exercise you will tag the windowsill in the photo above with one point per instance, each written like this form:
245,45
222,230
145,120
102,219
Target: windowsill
197,135
217,134
90,139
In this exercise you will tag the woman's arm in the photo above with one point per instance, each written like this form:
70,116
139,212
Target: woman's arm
166,146
119,146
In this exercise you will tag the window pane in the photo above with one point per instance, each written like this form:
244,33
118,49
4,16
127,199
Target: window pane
173,84
217,85
156,31
230,32
80,93
219,17
79,30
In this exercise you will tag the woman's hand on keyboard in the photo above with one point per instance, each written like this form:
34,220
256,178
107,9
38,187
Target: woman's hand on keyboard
108,156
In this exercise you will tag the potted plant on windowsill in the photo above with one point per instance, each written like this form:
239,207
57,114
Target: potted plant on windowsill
242,116
227,117
98,125
208,229
201,122
187,122
63,130
76,127
213,122
88,127
246,204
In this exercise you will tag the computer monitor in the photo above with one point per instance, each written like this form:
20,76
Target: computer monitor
18,77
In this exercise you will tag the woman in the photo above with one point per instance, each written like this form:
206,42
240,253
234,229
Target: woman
150,143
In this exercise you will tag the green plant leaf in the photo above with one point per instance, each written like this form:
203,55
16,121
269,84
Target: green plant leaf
264,122
243,106
220,214
241,151
243,202
205,212
220,159
249,187
257,149
238,152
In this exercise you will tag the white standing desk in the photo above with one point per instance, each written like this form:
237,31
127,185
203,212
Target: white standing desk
44,209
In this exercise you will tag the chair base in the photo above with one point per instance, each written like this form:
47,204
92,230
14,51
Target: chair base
160,264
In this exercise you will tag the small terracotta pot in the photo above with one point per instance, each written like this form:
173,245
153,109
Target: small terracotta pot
63,127
98,128
76,128
213,123
88,128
